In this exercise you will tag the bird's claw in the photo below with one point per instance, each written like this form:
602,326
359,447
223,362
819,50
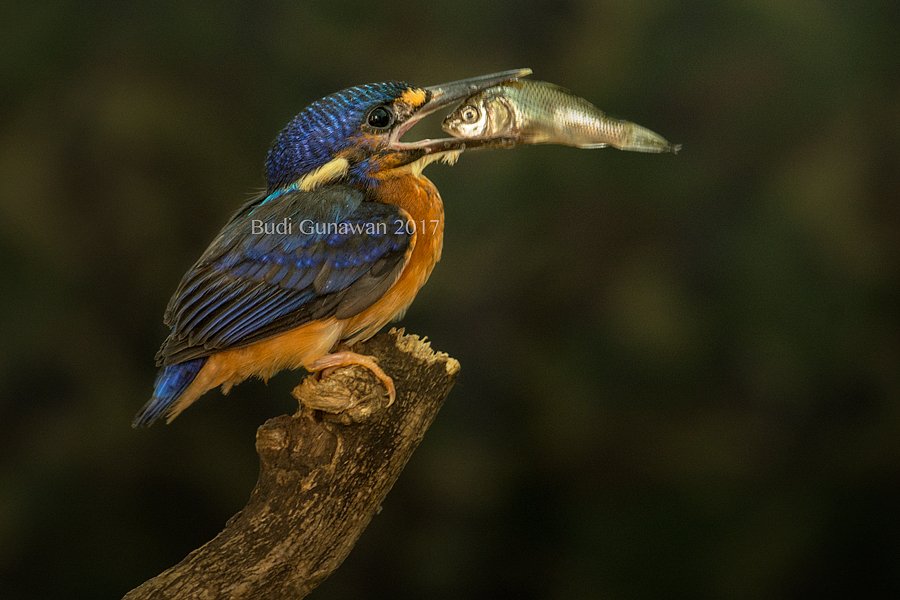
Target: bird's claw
349,396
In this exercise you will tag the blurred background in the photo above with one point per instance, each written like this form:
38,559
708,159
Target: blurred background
680,374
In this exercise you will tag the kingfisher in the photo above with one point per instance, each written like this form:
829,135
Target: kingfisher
342,239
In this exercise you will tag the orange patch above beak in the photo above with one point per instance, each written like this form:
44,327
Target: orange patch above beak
415,97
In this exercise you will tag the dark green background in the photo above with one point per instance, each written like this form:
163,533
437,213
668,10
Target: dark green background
680,374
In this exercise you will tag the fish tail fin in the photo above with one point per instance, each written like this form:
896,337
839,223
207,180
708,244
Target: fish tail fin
171,383
642,139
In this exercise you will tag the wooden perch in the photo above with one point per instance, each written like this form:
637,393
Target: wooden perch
322,478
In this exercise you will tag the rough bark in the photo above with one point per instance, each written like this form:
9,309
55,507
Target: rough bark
322,478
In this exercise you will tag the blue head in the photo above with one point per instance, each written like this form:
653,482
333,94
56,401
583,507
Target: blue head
363,126
326,129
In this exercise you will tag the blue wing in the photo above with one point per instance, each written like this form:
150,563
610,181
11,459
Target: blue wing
250,285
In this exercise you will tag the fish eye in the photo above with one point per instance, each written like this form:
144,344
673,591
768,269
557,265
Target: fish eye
469,114
380,117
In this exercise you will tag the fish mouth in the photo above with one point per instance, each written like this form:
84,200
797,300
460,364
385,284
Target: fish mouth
445,95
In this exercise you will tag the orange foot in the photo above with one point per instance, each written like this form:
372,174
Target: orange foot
347,359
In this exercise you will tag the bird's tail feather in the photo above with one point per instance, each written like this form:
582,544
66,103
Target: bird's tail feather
171,382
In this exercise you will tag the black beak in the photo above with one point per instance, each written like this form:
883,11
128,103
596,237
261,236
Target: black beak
448,94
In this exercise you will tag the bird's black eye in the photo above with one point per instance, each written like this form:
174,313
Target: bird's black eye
380,117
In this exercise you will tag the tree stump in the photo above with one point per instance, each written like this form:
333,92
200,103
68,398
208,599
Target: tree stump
322,478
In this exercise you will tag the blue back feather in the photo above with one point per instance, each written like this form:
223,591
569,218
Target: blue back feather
248,287
170,383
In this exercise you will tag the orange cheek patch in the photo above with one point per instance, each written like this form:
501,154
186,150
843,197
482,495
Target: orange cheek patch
363,138
415,97
381,165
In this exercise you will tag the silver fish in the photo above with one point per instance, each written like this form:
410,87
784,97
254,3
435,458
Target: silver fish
537,112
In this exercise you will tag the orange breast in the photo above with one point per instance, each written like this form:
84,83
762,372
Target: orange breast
418,197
